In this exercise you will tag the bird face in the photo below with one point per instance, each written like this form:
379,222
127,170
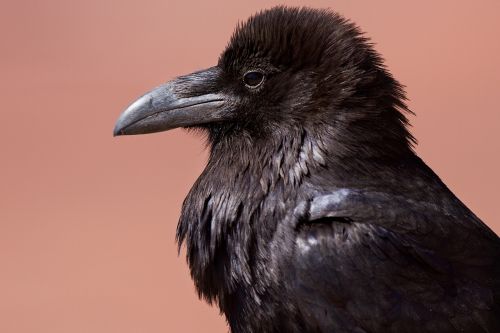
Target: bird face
268,71
284,68
247,96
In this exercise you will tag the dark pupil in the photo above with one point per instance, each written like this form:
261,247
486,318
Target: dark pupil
253,78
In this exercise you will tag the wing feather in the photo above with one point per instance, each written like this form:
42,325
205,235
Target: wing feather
393,265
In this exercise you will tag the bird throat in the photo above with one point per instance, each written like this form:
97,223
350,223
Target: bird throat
242,188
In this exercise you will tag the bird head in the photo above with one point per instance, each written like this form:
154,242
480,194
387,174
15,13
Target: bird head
284,70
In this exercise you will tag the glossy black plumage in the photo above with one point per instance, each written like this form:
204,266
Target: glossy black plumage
313,213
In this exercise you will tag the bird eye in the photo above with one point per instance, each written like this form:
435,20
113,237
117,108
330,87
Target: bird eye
253,79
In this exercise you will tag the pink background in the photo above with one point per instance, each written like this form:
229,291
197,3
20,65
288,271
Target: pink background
87,221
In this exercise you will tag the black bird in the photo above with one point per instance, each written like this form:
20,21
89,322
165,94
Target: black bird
313,213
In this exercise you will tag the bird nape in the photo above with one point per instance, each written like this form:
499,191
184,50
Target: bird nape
313,213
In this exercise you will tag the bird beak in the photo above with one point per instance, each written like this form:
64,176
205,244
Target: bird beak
186,101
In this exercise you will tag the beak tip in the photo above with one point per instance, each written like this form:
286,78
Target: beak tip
118,131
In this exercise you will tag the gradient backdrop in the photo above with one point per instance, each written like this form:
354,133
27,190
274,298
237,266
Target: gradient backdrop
87,221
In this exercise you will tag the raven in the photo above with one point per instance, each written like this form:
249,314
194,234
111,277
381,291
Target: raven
314,213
